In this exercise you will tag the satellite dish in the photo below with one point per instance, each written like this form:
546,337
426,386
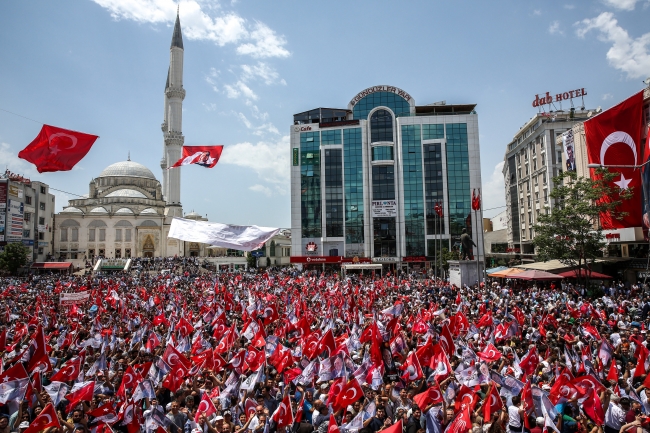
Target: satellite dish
598,110
590,114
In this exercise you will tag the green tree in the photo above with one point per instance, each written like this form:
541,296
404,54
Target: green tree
13,257
252,261
571,233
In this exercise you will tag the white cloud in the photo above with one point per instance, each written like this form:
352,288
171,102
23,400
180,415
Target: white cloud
258,130
261,188
626,54
203,20
239,89
210,107
494,193
537,12
266,43
263,72
269,159
554,28
569,6
626,5
607,96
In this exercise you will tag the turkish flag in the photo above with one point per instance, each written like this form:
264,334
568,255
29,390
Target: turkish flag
283,415
57,149
205,156
612,376
492,403
350,393
174,358
432,395
447,341
332,427
466,398
614,138
489,354
412,369
47,418
206,407
84,393
440,363
594,407
461,424
69,372
184,327
486,320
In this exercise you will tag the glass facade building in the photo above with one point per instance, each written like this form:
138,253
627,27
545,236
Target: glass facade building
380,169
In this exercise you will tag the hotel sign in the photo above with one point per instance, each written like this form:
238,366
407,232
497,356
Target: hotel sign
375,89
559,97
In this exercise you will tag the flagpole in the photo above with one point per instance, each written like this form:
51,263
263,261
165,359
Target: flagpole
435,251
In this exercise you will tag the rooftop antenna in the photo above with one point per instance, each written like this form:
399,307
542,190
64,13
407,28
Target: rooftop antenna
128,158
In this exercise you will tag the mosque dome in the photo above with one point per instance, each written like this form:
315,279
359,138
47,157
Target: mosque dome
127,169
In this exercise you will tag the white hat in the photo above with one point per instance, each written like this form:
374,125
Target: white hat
25,424
219,418
539,420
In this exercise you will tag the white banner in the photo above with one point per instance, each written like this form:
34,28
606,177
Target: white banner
242,238
384,208
73,298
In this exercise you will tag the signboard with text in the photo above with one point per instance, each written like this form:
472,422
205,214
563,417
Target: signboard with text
384,208
14,221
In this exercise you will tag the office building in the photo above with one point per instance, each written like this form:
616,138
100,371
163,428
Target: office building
366,180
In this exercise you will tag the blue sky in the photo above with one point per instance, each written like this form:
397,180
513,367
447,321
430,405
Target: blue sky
100,67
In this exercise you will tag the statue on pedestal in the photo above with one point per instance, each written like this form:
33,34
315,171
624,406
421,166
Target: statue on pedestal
466,243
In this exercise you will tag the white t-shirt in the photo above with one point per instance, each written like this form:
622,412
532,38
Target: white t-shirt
615,416
514,419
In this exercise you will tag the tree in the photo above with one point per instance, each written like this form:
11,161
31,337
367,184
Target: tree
252,261
13,257
571,233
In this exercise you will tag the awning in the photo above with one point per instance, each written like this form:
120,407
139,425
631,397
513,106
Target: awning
497,269
506,273
573,273
535,275
51,265
362,266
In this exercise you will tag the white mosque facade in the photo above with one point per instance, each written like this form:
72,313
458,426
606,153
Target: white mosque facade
128,212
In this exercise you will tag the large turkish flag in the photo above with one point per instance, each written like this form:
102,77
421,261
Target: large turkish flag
614,138
56,149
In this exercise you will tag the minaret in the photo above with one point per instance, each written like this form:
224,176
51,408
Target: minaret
172,126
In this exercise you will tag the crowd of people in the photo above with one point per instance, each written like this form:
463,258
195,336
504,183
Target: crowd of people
196,352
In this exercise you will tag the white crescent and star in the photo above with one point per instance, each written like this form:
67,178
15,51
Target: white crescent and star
610,140
55,149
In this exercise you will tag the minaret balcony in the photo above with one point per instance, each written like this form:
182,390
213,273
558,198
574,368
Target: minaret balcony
175,92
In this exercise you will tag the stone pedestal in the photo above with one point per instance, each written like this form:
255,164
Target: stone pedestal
465,272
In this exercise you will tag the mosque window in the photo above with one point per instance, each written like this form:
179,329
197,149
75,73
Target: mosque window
127,235
75,234
64,235
91,235
118,235
102,235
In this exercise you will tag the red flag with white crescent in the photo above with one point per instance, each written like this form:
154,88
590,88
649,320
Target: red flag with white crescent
205,156
57,149
614,138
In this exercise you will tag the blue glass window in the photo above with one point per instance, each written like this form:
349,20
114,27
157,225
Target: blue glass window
413,190
353,175
432,132
310,189
399,105
381,126
382,153
332,136
458,181
333,192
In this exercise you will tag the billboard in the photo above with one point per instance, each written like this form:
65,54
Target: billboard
569,150
14,221
384,208
3,209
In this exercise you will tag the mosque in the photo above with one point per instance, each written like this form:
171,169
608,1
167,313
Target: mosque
128,211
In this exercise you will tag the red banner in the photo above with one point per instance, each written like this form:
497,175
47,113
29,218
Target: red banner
613,138
317,260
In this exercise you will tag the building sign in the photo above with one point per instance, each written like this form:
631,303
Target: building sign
306,128
295,156
311,247
338,124
14,221
559,97
327,259
414,259
375,89
3,209
28,242
642,275
42,243
628,234
384,208
15,191
385,259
